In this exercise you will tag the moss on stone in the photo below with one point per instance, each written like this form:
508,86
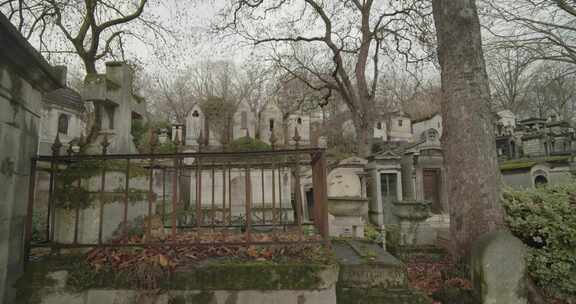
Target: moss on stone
517,165
216,276
35,280
393,236
528,163
249,276
248,144
432,252
69,194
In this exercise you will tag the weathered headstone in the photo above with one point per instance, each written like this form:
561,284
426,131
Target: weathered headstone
499,269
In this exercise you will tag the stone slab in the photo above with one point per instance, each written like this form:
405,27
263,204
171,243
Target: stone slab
380,296
104,296
367,265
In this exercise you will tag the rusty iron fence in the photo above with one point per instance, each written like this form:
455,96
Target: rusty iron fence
177,199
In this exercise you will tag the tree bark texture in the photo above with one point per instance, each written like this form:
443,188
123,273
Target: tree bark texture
472,172
364,136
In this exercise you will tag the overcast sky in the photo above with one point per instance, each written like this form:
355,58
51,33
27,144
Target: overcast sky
191,22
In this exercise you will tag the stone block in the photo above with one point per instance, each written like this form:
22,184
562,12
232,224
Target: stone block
64,298
346,226
499,269
96,296
366,265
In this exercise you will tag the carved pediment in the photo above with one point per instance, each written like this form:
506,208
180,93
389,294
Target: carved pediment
386,155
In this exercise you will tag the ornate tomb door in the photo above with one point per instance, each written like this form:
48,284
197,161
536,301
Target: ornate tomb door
431,180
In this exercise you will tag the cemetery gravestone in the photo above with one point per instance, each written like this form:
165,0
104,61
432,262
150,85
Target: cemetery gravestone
499,269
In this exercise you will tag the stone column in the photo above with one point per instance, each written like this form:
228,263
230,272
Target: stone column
375,211
121,74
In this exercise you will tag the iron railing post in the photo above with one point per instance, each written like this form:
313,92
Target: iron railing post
104,145
30,210
248,203
52,189
320,194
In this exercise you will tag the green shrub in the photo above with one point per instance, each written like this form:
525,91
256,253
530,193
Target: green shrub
373,235
545,219
247,144
141,136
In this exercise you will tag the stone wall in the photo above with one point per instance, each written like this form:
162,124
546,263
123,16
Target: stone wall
533,147
51,282
24,75
517,179
418,128
555,174
18,140
49,127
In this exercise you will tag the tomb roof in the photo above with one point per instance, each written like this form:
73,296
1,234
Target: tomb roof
16,51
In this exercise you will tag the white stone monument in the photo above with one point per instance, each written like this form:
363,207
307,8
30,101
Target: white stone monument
347,202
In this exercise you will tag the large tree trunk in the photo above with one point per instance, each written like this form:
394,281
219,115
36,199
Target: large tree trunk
89,65
364,137
469,146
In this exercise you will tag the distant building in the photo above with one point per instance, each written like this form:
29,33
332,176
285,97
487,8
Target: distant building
536,152
62,112
245,123
421,126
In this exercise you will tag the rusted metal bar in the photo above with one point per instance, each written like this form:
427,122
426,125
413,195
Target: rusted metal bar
150,199
281,220
223,194
213,207
77,214
126,198
199,215
208,225
50,224
223,155
176,244
30,210
248,203
320,194
101,209
298,198
315,189
174,198
263,198
274,211
163,196
53,174
229,194
104,144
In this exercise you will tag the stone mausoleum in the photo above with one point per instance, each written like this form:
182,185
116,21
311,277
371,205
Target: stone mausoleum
535,151
24,77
